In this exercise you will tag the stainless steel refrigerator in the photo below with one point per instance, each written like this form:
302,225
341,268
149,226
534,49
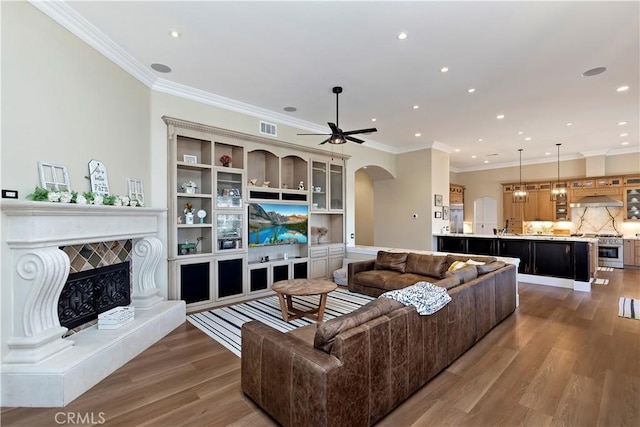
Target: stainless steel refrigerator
456,218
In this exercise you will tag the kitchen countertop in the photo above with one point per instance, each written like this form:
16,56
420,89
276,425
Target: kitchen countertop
524,237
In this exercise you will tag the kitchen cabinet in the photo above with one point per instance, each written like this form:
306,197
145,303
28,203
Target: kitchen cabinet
539,207
456,194
631,252
631,198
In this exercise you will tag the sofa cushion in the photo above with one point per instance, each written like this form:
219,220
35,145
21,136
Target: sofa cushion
488,268
426,265
327,332
376,278
466,273
395,261
450,281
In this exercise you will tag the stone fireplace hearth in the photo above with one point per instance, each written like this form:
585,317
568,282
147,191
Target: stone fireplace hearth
39,366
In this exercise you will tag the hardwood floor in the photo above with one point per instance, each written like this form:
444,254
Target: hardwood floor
564,358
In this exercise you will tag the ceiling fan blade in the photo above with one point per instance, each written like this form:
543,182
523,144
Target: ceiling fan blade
333,127
325,141
353,132
313,134
352,139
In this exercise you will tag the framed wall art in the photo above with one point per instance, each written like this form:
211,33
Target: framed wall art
188,158
437,200
445,212
438,214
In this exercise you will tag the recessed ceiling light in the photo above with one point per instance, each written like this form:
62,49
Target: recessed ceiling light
625,143
569,124
418,134
500,116
402,36
290,109
444,69
520,133
594,71
480,139
457,150
528,138
486,161
624,134
174,33
374,119
471,90
547,153
473,157
161,68
623,88
622,123
415,107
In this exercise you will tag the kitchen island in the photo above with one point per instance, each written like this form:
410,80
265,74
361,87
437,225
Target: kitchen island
561,261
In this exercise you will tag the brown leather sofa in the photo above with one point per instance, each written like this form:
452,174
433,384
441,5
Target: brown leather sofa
356,368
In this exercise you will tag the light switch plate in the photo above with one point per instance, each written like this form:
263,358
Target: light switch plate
9,194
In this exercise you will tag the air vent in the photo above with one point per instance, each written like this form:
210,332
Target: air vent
268,128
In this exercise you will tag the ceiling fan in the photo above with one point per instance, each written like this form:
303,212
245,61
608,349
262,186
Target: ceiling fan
337,136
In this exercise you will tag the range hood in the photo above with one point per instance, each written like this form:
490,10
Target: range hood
596,202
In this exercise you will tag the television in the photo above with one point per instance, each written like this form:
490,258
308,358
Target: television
278,224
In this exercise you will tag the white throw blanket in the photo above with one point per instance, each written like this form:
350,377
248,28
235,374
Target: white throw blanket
426,297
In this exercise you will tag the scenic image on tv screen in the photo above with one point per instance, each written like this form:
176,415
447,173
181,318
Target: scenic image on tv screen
275,224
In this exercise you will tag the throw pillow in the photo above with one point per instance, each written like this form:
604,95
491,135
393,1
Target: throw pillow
472,262
395,261
455,265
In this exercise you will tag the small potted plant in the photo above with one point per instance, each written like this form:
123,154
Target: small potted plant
225,160
189,187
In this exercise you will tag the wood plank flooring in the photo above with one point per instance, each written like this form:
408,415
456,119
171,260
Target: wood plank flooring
564,358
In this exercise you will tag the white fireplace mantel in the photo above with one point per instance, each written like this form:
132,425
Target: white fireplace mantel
39,367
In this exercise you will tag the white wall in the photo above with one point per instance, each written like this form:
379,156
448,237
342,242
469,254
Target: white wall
64,103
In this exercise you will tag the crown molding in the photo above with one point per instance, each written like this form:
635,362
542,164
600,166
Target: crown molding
66,16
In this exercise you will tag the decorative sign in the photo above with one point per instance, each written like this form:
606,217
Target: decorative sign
98,177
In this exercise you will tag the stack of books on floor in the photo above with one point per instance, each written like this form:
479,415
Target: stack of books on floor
116,317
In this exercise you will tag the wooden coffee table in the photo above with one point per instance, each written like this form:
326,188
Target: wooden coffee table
286,289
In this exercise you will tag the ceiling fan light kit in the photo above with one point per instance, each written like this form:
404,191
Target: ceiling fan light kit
337,135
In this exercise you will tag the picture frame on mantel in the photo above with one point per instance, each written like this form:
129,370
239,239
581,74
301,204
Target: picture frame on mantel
437,200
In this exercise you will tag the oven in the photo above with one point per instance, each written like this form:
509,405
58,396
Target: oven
610,252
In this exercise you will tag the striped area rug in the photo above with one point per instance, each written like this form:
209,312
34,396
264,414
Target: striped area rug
629,307
224,324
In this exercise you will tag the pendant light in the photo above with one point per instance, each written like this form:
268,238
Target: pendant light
558,191
520,195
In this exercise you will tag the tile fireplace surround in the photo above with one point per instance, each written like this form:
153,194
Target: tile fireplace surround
39,368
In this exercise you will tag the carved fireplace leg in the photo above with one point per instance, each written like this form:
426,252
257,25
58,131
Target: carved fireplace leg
146,257
38,279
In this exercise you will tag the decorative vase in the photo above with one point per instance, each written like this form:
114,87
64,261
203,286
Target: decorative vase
188,218
226,164
190,190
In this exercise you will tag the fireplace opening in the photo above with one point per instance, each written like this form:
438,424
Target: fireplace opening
89,293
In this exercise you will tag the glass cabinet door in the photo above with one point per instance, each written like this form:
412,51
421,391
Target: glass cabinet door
336,186
319,185
228,189
229,231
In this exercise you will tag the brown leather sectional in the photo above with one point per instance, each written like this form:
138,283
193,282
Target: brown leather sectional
354,369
